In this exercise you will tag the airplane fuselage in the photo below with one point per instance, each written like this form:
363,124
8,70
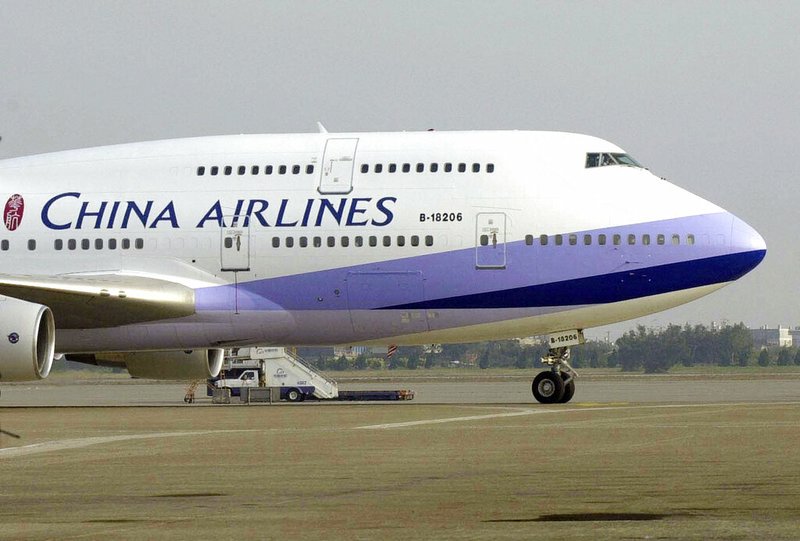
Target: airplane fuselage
374,238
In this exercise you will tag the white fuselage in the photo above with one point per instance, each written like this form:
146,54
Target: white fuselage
403,238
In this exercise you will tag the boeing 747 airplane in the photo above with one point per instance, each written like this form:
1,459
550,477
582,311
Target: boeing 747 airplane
165,253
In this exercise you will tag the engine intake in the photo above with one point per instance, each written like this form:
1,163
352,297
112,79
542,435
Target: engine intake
27,340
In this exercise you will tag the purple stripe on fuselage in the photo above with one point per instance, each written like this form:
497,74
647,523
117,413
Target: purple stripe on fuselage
453,275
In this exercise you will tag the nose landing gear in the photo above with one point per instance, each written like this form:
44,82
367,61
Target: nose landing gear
556,385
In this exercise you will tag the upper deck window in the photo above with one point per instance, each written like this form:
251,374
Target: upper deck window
601,159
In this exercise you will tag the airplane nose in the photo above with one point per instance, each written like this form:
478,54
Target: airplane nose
748,243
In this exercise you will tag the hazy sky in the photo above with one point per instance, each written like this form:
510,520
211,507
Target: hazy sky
706,94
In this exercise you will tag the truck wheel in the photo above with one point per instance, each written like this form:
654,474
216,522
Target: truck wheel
294,395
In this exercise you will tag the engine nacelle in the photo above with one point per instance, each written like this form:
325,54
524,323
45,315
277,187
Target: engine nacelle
27,340
175,365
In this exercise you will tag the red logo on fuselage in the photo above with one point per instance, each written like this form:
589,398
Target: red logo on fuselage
12,215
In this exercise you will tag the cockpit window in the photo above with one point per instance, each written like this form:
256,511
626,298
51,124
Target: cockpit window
601,159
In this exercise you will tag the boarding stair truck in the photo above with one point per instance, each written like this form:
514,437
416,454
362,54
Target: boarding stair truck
274,367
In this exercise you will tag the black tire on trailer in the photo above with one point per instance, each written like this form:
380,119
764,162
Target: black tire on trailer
548,387
294,395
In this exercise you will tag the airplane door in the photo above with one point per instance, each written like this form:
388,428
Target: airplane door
235,249
337,166
490,240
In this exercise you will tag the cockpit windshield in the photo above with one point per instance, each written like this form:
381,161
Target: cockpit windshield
601,159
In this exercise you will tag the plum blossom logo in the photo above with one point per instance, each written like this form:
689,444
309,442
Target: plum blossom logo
15,208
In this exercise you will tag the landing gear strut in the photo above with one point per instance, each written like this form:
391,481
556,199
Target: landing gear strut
556,385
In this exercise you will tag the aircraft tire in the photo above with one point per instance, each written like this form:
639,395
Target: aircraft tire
569,389
547,387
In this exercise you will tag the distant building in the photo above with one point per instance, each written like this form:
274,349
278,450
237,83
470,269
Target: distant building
795,334
766,337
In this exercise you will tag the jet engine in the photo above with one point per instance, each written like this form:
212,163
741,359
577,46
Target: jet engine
27,340
175,365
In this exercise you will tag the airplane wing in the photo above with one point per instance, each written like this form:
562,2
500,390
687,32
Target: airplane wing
80,302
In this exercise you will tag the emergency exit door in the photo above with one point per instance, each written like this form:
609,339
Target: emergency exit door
235,249
490,240
337,166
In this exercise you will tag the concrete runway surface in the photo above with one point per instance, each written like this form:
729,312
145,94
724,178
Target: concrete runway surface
631,458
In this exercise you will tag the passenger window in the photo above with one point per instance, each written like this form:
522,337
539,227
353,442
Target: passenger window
690,240
490,168
631,239
364,168
303,242
126,244
214,170
448,167
317,242
282,170
139,244
242,170
434,167
331,242
529,240
295,169
228,169
587,240
72,244
59,244
267,169
676,240
309,169
420,167
289,242
617,239
484,240
428,240
276,242
387,240
559,240
601,239
406,167
254,170
32,244
476,168
646,239
228,243
359,241
201,171
344,242
462,168
373,241
85,244
98,244
660,239
4,245
573,239
379,168
112,244
414,240
543,240
401,240
392,167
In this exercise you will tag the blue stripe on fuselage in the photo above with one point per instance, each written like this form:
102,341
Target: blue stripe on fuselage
606,288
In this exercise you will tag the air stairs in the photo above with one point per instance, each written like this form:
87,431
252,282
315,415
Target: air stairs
281,367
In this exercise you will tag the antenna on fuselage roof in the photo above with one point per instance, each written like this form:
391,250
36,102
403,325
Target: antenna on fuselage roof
321,127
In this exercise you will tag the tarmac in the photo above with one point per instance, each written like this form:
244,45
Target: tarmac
629,458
